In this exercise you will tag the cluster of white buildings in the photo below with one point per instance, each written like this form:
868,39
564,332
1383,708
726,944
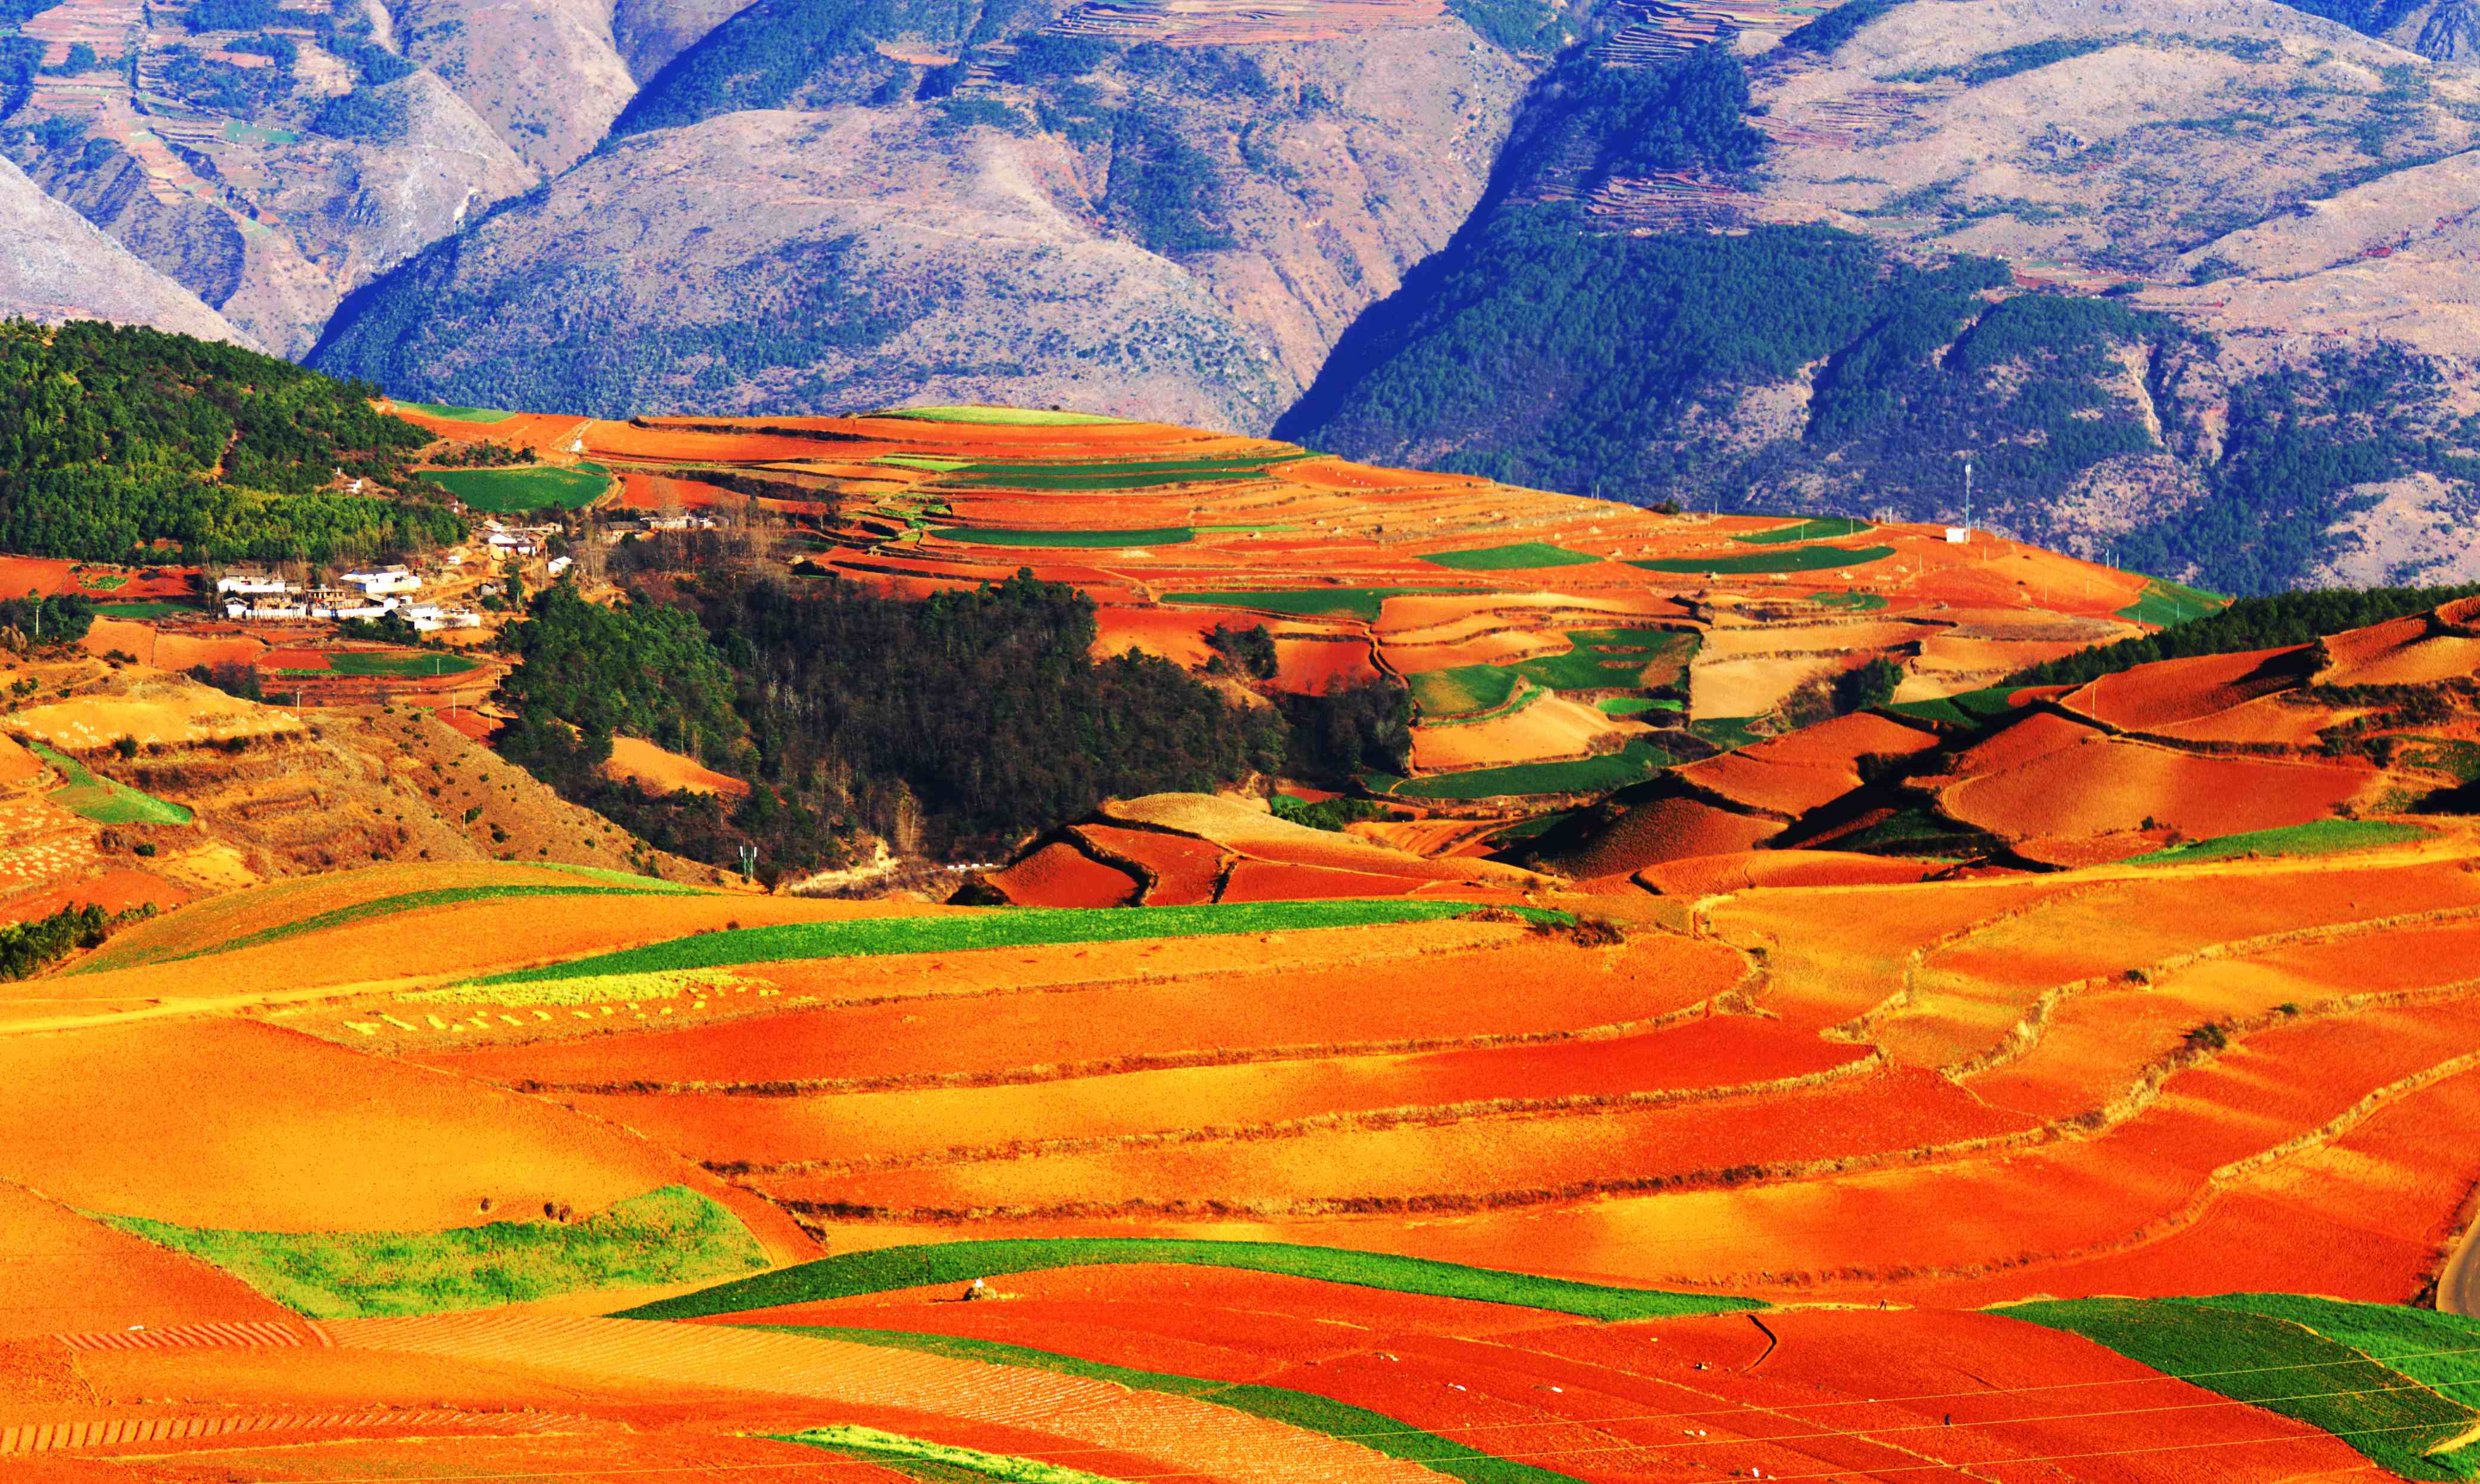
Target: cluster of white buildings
506,540
358,595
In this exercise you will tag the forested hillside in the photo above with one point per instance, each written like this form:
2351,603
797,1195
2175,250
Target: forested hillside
114,440
952,725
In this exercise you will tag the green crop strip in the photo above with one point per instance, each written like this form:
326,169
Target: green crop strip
514,491
884,1269
2271,1351
1466,690
152,610
1360,603
1519,556
2164,603
1791,559
364,662
1003,928
1855,601
668,1236
2316,837
1820,528
104,801
448,414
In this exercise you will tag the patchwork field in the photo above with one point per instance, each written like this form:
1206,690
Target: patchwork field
1688,1071
1485,594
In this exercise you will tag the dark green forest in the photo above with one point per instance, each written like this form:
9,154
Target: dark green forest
114,440
955,725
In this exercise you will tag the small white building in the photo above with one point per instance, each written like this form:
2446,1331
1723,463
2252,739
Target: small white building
430,618
266,605
561,564
253,583
1959,535
383,580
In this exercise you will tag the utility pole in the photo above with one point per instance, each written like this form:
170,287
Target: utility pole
1967,498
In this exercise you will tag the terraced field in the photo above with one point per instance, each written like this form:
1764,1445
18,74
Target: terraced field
1360,573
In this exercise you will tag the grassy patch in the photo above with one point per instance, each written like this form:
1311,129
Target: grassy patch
451,414
104,801
2164,603
882,1270
1466,690
1819,528
397,665
1003,928
1607,659
1360,603
920,1459
2435,1350
1510,558
1970,709
1855,601
1001,416
668,1236
151,609
1002,536
1585,775
2458,761
1789,559
2274,1363
2316,837
515,491
109,582
1729,733
923,461
1308,1411
1638,705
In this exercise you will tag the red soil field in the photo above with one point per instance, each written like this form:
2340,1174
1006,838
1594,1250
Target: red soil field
247,1125
114,891
1666,829
1184,871
472,723
1060,875
2037,735
1811,767
619,440
66,1274
2116,784
861,1128
1175,634
1269,880
639,490
2181,690
1264,997
1312,667
294,659
1468,1159
1710,875
2418,650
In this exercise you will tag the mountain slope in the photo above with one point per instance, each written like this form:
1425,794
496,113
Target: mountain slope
1234,208
59,268
2269,388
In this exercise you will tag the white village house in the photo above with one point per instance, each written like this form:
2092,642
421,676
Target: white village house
381,581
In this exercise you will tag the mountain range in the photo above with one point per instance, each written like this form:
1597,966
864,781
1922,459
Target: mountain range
2183,276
